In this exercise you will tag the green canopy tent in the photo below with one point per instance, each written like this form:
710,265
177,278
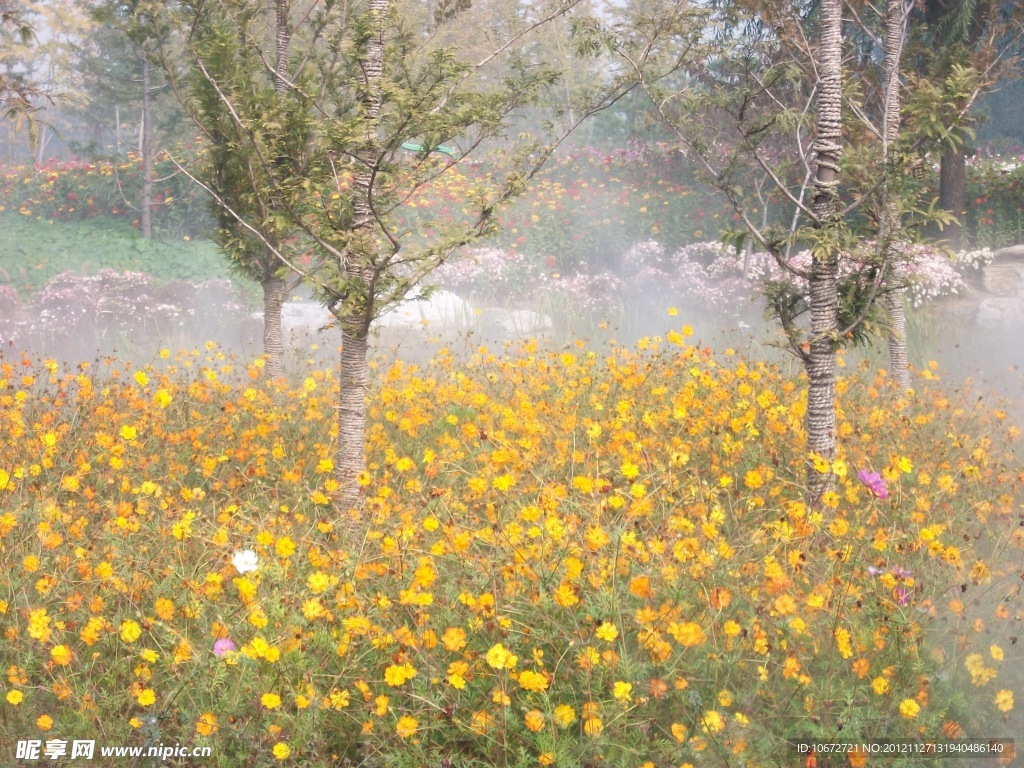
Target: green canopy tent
419,148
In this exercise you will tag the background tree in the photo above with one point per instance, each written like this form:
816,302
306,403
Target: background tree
17,91
39,77
363,80
772,73
252,231
141,23
884,34
957,35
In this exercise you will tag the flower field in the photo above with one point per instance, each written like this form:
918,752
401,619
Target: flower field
594,556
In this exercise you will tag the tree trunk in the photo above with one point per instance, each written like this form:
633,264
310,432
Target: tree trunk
824,297
282,42
275,293
44,140
890,219
351,416
952,181
359,266
146,150
275,289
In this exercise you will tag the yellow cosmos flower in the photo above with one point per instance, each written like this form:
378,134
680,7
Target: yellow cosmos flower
281,750
406,726
713,722
688,634
398,674
146,697
607,631
564,715
498,657
504,482
270,700
130,631
1004,700
61,655
454,639
820,464
533,681
284,547
909,709
318,582
565,595
622,691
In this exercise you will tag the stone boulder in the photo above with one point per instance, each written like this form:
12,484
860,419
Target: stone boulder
441,311
304,317
1009,253
1001,314
1005,275
442,314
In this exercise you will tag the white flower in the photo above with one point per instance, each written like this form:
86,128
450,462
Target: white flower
245,560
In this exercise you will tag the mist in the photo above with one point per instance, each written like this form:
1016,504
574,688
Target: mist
673,258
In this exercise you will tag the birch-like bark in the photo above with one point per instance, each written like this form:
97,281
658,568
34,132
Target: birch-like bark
823,289
899,365
275,290
275,293
358,267
146,150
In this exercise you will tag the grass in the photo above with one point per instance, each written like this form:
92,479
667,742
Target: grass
35,251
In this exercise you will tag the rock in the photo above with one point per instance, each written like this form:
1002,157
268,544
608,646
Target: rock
442,311
1009,253
1004,278
1000,314
301,317
307,316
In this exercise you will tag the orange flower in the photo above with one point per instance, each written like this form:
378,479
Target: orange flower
534,720
206,725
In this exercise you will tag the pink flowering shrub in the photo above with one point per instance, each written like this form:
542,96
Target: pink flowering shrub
111,307
488,274
706,276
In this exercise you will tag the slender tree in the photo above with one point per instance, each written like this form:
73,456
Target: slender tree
323,156
896,17
233,90
142,25
823,284
777,70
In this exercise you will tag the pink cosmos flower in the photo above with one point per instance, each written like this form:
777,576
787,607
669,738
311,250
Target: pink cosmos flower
875,483
223,646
